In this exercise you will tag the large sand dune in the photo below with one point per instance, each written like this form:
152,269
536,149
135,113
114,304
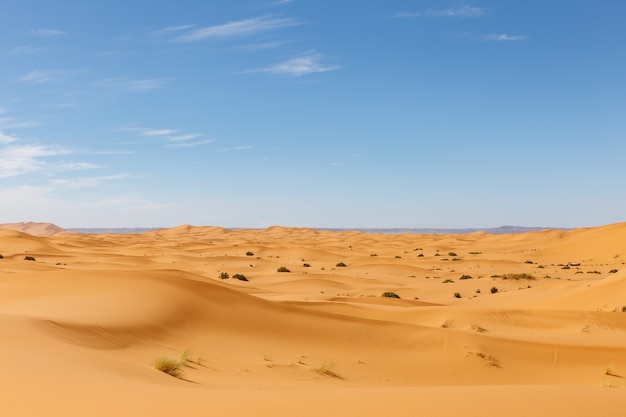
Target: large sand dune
84,321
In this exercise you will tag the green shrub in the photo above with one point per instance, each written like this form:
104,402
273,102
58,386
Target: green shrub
240,277
390,294
341,265
283,269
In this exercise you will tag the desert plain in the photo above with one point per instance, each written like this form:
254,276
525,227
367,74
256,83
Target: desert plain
293,322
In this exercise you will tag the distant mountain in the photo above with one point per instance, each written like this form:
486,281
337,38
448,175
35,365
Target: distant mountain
49,229
34,228
427,231
114,230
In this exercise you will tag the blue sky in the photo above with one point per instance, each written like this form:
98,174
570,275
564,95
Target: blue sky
321,113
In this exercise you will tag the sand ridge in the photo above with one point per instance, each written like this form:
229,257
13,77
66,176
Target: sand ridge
88,314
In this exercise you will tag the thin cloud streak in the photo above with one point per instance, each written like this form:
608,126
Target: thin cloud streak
296,67
47,32
40,77
459,11
504,37
18,160
130,85
237,28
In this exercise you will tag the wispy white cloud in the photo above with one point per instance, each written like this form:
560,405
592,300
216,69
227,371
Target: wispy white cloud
6,139
175,138
190,144
18,160
172,29
39,77
504,38
186,137
296,67
12,123
130,85
159,132
458,11
27,49
47,32
88,181
236,148
237,28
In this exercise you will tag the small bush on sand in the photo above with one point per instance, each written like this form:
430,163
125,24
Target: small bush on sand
390,294
341,265
493,290
466,277
249,253
457,295
240,277
518,276
612,271
283,269
173,367
224,275
29,258
447,281
306,265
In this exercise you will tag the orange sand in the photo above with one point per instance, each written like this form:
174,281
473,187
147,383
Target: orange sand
83,323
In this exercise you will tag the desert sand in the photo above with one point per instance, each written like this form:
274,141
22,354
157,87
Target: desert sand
84,318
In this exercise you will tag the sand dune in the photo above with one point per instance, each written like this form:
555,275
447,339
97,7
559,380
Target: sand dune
486,324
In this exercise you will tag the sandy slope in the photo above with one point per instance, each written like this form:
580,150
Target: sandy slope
83,322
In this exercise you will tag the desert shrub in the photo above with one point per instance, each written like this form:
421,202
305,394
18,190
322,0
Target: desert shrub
566,267
466,277
1,257
306,265
478,291
529,262
173,367
398,257
240,277
29,258
457,295
390,294
373,254
451,253
341,265
283,269
594,272
518,276
475,253
224,275
421,255
493,290
612,271
447,281
249,253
